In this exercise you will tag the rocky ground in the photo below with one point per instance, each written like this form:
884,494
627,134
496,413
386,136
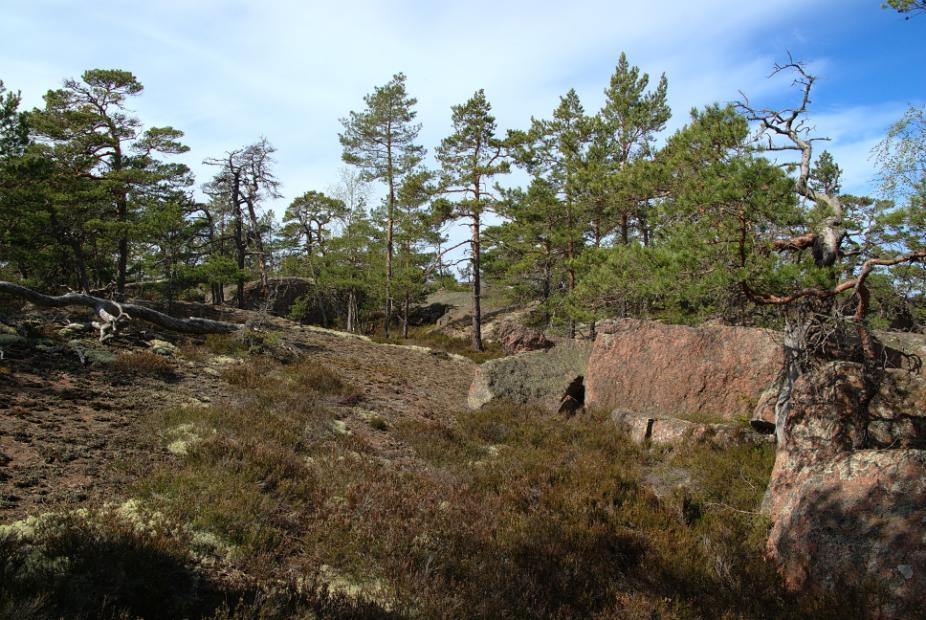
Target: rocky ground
75,415
296,471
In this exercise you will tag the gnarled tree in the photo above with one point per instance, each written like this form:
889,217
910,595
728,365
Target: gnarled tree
787,130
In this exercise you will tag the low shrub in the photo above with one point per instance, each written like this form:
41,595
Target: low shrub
498,513
320,378
144,363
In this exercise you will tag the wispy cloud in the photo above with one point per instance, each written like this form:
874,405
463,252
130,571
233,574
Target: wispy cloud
227,72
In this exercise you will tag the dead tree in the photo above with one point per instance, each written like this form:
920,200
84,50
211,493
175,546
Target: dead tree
260,183
787,130
243,181
111,314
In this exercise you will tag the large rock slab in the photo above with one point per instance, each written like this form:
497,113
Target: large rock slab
675,370
847,495
904,350
836,409
539,378
516,338
859,518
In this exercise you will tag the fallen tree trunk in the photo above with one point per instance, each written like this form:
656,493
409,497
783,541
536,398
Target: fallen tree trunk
111,312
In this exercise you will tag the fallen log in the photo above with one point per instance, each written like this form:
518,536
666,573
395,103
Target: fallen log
112,313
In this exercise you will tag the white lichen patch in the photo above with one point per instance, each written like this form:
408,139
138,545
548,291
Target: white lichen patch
224,360
339,427
183,438
334,332
141,519
371,590
162,347
208,547
35,532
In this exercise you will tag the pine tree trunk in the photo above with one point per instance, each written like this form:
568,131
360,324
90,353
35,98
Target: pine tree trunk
81,264
389,238
259,244
571,284
240,243
351,316
796,332
240,249
122,264
122,210
405,306
547,278
477,284
592,331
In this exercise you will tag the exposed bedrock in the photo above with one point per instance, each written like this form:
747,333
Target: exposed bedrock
847,496
550,379
674,370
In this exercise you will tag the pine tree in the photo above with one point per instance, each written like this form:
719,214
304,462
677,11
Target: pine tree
629,121
526,252
89,131
380,141
470,157
557,151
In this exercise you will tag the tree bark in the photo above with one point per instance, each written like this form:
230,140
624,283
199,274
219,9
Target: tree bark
240,242
571,283
80,263
351,311
390,211
547,278
259,244
477,282
122,211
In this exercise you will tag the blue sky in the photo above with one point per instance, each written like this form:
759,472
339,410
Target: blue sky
227,72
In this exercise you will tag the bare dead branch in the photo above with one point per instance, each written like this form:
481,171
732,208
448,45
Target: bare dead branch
856,283
795,244
112,313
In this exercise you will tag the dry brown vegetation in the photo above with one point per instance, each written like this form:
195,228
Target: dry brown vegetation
274,506
144,362
425,337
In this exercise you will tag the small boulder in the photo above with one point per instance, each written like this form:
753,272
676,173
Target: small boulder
92,353
541,378
75,330
162,347
11,339
667,431
676,490
516,338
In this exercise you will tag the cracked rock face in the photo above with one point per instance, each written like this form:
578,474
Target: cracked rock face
517,339
667,431
847,496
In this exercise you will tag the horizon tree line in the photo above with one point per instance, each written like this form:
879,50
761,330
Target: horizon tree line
610,224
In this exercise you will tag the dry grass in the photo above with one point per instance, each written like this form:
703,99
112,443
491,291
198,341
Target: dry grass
438,341
144,363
